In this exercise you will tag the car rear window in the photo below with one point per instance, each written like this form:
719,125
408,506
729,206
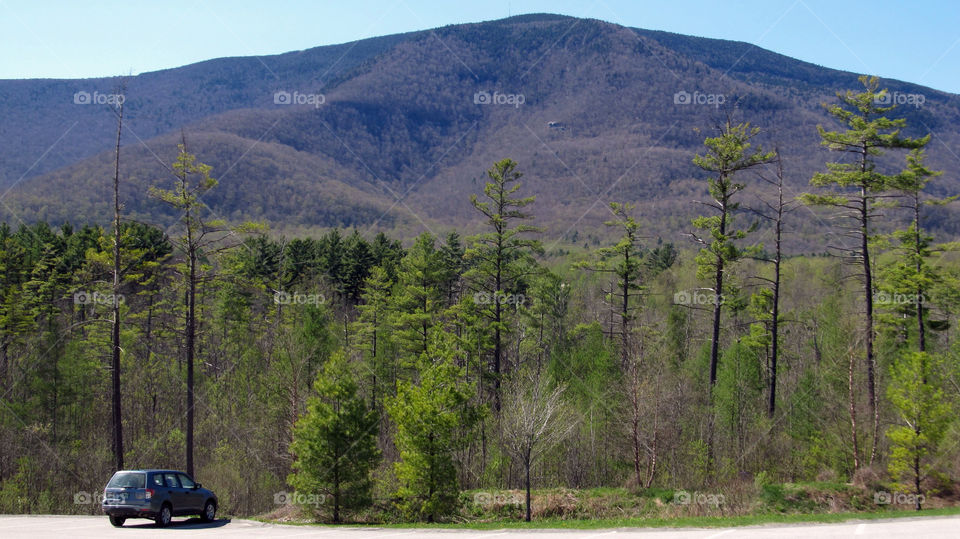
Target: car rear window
128,480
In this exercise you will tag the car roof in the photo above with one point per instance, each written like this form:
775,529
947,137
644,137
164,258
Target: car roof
152,470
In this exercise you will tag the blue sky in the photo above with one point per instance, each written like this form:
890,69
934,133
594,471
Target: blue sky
913,41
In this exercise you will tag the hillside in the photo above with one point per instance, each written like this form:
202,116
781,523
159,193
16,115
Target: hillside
399,142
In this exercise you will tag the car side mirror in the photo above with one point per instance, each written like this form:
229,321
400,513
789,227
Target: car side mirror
196,486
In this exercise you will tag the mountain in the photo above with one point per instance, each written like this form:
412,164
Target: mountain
396,132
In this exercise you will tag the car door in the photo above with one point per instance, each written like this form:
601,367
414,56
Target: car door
178,496
193,495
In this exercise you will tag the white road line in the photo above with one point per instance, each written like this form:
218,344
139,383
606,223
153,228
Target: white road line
861,528
720,534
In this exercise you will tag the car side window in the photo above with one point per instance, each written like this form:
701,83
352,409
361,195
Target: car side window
185,481
171,480
157,480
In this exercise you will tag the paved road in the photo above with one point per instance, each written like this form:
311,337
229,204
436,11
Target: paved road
40,527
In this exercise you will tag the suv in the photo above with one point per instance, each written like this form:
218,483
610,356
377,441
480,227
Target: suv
156,494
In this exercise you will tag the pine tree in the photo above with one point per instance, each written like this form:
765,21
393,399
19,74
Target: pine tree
417,303
626,261
199,235
727,154
501,258
767,304
924,414
356,265
912,274
453,266
335,442
433,418
858,188
372,335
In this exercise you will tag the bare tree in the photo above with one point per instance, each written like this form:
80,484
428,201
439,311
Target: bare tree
642,388
774,212
115,330
534,418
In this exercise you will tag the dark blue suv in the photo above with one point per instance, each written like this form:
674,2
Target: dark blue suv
159,495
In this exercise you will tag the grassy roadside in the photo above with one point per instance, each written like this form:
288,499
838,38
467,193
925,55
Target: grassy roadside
680,522
686,522
601,508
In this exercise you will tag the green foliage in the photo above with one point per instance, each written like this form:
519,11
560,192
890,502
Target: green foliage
433,418
740,384
417,301
587,366
501,259
924,415
335,443
727,154
625,260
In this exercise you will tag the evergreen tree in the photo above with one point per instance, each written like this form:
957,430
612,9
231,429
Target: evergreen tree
372,335
356,265
432,417
727,155
913,275
453,266
624,260
335,442
417,303
199,235
502,258
858,187
924,414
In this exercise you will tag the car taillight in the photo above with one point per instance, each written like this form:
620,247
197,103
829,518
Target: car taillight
149,493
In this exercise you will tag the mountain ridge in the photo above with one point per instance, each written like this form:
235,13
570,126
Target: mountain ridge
400,136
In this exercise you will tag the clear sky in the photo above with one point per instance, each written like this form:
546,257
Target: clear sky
914,41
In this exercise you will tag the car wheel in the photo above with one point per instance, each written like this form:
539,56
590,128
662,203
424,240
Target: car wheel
165,516
209,511
117,521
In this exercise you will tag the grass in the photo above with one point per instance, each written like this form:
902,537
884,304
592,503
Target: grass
679,522
746,504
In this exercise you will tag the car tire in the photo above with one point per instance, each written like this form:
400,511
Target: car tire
117,521
209,511
165,516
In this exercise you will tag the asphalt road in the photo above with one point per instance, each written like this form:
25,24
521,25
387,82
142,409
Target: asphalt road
40,527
